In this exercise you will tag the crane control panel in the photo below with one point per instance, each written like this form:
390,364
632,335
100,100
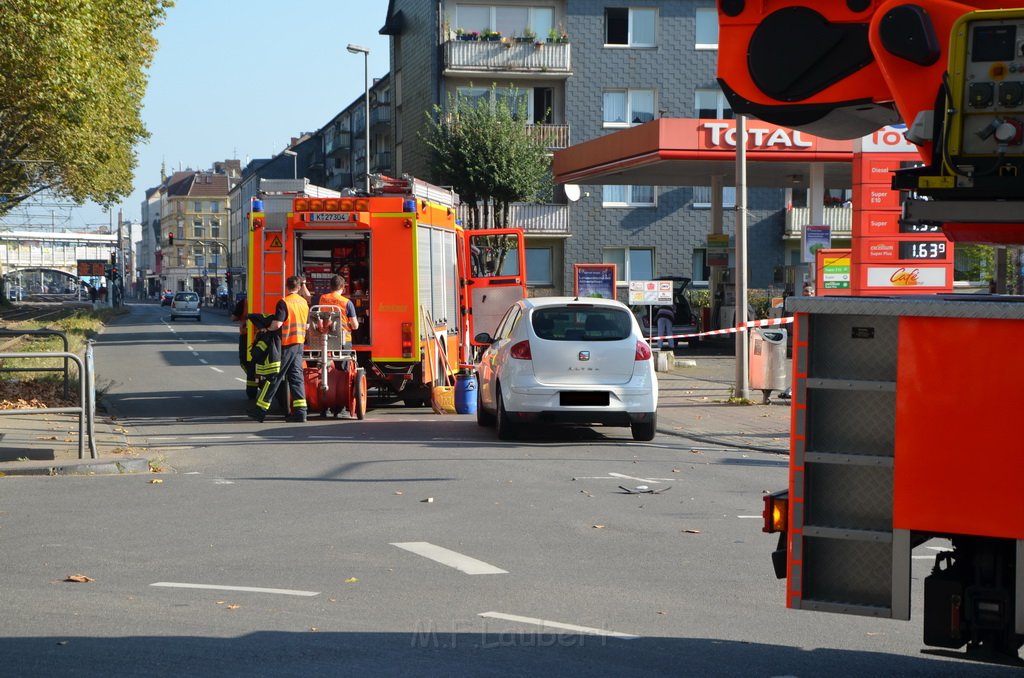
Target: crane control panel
985,123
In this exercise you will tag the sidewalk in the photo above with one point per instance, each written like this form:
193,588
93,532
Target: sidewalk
693,405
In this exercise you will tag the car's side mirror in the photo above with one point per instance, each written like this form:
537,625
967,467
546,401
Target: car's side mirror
484,338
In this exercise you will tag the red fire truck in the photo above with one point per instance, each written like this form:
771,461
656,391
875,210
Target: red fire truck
421,284
903,423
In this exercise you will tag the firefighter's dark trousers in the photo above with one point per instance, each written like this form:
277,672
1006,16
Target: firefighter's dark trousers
291,369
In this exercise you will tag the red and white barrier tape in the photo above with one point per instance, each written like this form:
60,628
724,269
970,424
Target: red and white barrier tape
729,330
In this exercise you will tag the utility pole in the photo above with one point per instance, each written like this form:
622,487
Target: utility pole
118,290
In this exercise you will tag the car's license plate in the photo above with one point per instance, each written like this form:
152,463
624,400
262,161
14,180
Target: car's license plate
583,398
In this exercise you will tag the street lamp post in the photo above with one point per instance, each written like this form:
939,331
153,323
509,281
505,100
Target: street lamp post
365,51
295,162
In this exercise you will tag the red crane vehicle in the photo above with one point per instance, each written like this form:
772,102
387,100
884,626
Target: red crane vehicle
902,428
422,286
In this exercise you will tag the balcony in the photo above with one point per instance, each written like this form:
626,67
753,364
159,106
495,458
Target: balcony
342,143
839,218
533,218
380,116
556,136
470,57
381,162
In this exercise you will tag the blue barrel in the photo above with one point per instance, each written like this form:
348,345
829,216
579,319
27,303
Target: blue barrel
465,393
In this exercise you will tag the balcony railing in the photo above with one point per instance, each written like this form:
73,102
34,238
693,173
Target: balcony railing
531,217
342,142
513,57
839,218
556,136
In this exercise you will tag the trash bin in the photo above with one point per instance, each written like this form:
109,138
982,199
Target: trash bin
767,362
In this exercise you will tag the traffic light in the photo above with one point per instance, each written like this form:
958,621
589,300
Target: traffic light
113,258
227,277
170,238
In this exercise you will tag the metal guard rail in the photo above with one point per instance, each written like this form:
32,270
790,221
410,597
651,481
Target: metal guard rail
86,397
39,333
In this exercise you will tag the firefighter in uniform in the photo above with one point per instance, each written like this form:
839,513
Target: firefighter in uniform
290,316
337,298
240,314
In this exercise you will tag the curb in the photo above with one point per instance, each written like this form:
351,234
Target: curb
85,469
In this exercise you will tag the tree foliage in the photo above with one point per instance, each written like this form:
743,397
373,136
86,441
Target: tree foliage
482,148
72,79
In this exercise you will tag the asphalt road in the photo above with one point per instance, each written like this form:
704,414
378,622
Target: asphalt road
406,544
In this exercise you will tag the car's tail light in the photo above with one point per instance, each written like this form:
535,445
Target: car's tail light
521,351
643,351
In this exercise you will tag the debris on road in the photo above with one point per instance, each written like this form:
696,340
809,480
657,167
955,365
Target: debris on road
643,489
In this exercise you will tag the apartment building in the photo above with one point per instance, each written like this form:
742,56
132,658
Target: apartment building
193,230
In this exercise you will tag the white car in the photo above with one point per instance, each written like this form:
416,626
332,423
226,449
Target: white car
186,305
567,360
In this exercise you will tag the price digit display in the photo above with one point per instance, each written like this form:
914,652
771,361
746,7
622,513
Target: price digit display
922,249
915,227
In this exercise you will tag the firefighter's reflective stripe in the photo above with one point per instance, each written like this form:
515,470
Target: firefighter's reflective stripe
293,331
299,403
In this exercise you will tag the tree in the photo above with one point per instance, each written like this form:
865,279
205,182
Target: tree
72,79
485,152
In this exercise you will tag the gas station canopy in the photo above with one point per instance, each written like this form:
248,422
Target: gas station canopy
688,152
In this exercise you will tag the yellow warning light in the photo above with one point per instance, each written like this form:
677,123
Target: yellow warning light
776,512
362,205
346,204
331,204
316,204
300,205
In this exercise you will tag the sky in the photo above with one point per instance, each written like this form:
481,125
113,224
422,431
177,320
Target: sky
240,78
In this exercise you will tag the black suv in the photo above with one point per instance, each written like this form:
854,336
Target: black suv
686,321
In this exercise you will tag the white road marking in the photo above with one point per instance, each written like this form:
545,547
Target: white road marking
331,437
203,361
757,517
191,349
216,369
250,589
211,437
444,556
240,379
625,477
548,624
222,481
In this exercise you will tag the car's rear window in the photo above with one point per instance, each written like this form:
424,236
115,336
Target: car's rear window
187,296
581,323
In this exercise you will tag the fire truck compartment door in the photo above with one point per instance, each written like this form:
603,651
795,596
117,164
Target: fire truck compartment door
497,276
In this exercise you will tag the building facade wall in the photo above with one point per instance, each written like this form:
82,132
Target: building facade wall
416,73
674,69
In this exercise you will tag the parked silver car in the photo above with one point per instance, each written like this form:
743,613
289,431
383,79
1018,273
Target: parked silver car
186,305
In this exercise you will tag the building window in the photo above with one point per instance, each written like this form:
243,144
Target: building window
707,28
197,207
700,272
538,266
632,27
181,230
517,99
631,263
181,256
711,103
702,197
197,228
625,107
628,196
215,206
508,20
214,228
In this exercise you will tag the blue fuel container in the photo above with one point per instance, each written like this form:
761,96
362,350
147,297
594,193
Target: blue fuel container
465,393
